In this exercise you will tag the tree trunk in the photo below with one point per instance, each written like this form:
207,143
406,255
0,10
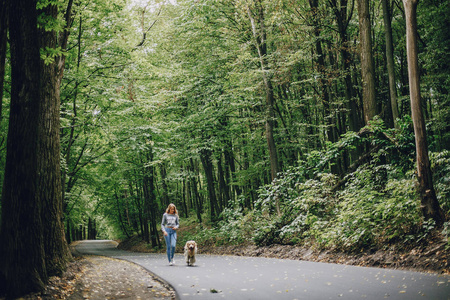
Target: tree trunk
367,65
259,35
68,231
139,200
150,207
223,187
193,186
153,208
22,264
67,156
430,205
3,36
205,156
325,96
342,20
390,60
57,252
119,213
229,161
146,209
165,193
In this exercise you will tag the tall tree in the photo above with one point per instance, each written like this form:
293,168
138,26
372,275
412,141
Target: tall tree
257,19
367,65
50,185
3,38
343,19
22,265
430,205
206,159
390,60
322,75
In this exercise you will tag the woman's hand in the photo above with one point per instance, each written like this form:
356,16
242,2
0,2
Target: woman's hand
165,233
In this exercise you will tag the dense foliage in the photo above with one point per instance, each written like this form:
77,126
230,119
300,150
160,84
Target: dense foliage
379,206
166,101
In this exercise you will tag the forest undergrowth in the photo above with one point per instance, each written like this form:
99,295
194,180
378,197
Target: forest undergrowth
431,255
370,217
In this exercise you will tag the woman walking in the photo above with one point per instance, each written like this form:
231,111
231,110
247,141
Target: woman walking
169,225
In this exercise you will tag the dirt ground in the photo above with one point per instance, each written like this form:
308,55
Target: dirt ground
100,278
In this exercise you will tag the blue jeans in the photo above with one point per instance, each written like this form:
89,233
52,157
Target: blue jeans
171,242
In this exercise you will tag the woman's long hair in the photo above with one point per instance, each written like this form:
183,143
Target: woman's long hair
169,207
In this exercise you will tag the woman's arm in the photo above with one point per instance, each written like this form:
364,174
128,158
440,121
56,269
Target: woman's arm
163,223
177,222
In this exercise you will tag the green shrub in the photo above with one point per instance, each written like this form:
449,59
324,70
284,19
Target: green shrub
371,217
378,206
440,164
299,206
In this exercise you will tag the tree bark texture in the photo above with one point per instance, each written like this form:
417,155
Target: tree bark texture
430,205
3,36
22,264
367,65
390,60
57,251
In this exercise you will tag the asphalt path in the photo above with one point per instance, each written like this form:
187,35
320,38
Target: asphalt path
236,277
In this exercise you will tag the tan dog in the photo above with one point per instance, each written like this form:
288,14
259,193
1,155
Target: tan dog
190,249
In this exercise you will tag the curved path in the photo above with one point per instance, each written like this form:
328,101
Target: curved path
235,277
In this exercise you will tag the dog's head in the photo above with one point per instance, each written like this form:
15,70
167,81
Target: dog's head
191,245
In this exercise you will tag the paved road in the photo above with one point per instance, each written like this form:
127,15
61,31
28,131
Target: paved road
233,277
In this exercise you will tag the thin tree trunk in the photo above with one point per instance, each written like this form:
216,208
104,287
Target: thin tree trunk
68,231
390,60
367,65
146,209
229,161
193,185
325,96
343,19
22,264
136,217
165,194
223,187
205,156
121,222
150,232
259,35
140,202
153,208
430,205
